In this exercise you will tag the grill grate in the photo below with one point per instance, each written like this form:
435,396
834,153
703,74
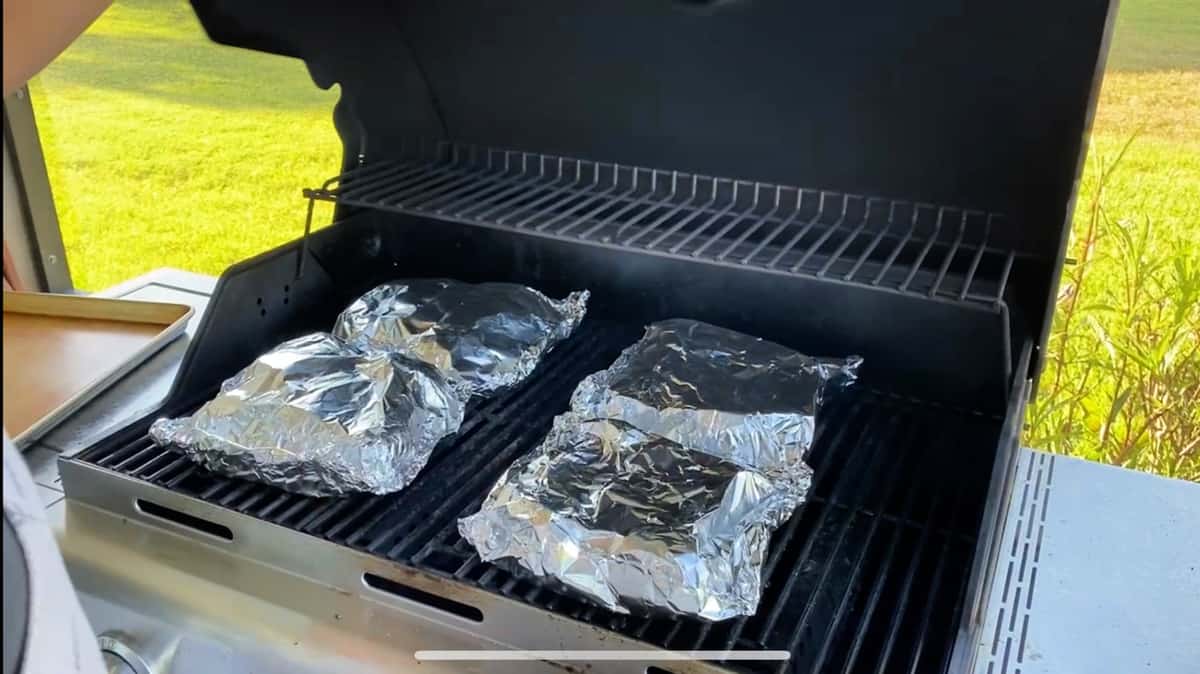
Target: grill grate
913,248
868,577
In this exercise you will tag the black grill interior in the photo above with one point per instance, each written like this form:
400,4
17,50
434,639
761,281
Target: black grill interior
869,576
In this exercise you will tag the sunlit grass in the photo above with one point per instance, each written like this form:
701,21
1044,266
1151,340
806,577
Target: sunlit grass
165,149
1122,380
1156,35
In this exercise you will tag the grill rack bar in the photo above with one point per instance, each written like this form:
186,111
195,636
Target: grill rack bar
891,245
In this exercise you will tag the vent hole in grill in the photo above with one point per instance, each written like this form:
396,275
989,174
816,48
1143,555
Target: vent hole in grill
184,520
429,599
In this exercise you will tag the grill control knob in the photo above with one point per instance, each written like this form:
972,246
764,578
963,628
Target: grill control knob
125,654
113,664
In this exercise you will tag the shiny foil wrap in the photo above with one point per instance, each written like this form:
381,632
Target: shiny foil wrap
485,337
659,488
633,520
733,396
316,416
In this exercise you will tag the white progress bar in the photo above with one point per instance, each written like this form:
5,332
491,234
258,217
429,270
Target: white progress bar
610,655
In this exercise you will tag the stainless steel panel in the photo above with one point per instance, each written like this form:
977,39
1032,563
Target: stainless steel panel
1098,571
21,138
272,586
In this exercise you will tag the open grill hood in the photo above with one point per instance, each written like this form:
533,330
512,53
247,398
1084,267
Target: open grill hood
978,105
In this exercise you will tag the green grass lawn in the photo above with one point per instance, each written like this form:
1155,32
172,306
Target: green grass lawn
1122,383
1156,35
167,150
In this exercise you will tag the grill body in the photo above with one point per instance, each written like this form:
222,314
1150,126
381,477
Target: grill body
874,573
892,180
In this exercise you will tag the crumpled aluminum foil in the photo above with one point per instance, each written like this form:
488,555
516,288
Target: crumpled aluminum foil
659,488
633,520
316,416
737,397
486,336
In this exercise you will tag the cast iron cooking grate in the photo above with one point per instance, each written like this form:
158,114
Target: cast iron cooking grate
869,576
921,249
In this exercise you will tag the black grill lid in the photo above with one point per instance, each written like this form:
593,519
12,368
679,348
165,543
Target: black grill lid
978,104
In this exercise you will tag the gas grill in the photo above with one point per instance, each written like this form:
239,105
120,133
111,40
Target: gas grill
657,154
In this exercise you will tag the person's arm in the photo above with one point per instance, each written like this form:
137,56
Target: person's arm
36,31
12,280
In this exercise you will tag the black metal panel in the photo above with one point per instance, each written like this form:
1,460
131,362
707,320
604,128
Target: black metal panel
868,576
255,305
937,348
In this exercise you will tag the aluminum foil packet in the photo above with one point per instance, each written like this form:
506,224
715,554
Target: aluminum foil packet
659,488
485,337
317,416
634,520
736,397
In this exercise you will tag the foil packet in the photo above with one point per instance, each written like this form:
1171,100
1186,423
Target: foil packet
736,397
319,417
659,488
634,520
484,337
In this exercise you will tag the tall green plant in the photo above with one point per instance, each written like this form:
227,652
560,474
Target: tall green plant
1122,380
